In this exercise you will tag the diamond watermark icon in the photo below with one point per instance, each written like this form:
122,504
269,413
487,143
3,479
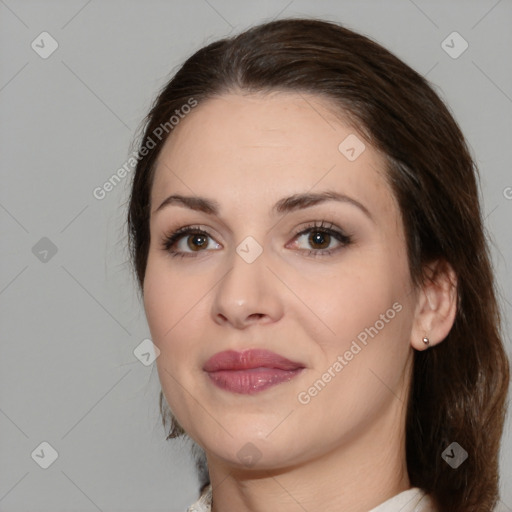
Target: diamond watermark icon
249,454
249,249
44,455
44,45
454,45
146,352
454,455
44,250
351,147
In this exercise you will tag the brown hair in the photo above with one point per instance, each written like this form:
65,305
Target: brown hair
459,387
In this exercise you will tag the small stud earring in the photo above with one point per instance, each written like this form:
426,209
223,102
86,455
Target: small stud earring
426,341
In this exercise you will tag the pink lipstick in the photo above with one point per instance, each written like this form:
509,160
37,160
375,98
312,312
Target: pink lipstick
250,371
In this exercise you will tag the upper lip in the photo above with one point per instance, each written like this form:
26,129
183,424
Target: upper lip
252,358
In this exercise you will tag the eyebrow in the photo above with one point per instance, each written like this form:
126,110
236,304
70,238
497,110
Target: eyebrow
284,205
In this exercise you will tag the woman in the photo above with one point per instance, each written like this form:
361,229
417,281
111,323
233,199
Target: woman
306,233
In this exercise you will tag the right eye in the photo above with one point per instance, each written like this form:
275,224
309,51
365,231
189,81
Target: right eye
194,238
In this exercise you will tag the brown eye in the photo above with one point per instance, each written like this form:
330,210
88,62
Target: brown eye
197,241
186,241
319,238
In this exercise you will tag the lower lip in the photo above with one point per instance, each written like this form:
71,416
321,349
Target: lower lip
252,380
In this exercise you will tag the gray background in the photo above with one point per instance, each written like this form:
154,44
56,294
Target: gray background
71,320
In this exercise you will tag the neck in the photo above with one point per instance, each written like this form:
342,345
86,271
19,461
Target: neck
356,476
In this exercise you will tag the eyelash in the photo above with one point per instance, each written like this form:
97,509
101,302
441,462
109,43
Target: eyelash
170,239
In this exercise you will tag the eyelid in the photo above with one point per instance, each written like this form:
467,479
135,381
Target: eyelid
331,229
174,236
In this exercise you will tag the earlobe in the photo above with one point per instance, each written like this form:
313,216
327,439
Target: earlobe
437,306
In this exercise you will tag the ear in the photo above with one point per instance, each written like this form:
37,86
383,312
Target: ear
436,306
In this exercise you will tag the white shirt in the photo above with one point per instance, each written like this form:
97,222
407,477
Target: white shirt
412,500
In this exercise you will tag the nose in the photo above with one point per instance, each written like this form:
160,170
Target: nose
248,294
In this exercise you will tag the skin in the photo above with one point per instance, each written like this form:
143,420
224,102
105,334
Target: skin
344,450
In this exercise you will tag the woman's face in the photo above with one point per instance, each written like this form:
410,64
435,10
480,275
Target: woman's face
278,278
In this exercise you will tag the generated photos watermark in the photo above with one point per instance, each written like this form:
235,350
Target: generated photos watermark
159,132
304,397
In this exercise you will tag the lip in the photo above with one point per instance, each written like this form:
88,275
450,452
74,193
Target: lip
250,371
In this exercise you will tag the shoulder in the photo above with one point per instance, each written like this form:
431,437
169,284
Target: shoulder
425,504
204,503
415,500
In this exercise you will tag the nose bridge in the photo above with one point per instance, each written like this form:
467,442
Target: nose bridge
247,292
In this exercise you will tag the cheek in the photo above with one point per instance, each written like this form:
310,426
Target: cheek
363,361
367,312
158,303
353,297
166,300
177,311
172,305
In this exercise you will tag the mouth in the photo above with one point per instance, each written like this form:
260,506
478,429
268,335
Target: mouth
250,371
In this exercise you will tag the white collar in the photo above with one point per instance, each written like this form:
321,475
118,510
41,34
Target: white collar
412,500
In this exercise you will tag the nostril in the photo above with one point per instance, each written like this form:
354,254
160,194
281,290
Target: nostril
256,316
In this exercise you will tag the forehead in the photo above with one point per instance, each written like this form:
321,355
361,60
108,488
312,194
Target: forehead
252,149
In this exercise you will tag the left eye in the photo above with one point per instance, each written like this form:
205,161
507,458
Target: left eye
321,239
318,239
